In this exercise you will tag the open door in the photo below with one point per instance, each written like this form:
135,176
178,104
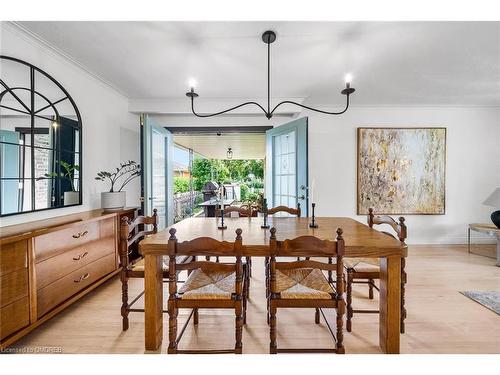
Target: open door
286,165
158,171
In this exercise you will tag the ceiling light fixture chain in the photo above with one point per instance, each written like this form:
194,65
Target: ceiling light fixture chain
269,37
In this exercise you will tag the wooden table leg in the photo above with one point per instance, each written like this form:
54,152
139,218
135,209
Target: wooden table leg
390,304
153,302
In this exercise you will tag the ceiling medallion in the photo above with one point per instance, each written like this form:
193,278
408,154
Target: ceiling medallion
269,37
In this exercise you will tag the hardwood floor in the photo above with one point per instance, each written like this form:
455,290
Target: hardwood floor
440,319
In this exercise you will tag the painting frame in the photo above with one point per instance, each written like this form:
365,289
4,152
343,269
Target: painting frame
359,131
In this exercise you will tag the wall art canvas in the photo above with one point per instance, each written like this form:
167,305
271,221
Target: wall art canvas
401,170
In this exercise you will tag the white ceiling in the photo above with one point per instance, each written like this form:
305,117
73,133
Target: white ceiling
393,63
212,146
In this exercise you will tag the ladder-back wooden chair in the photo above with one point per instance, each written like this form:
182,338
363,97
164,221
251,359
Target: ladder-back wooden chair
274,211
289,210
131,232
209,285
302,284
367,270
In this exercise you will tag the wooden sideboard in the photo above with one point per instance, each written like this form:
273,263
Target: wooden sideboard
47,265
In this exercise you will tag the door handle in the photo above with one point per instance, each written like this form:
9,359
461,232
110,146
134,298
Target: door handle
302,197
152,198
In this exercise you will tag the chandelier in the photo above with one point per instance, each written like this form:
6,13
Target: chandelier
269,37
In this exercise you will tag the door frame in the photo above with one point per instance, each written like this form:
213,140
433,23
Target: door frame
146,160
269,161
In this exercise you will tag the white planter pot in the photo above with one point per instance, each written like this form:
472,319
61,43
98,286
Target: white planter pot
71,197
113,201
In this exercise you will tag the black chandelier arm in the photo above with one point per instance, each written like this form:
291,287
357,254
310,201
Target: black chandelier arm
310,108
226,110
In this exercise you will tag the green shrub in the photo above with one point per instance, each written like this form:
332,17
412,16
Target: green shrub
181,185
253,198
257,184
244,190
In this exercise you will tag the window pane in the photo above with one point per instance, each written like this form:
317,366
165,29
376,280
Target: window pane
15,196
43,194
291,185
284,143
44,162
291,163
284,185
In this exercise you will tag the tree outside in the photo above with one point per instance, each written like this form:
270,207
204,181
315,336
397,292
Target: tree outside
227,171
249,174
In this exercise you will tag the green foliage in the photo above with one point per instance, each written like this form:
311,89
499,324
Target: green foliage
68,171
181,185
252,198
256,184
225,171
244,190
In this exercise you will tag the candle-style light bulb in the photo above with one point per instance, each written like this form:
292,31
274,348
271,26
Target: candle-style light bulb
348,80
192,83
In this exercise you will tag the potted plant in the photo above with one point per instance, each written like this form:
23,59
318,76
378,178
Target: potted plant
67,172
115,198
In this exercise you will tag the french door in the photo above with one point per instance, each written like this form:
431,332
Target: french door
287,166
157,171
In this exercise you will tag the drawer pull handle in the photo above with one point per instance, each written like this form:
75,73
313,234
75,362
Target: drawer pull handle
83,277
81,256
81,234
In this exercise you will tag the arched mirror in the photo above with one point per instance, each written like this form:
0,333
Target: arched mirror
40,141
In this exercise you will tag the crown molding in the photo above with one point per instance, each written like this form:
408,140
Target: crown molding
38,41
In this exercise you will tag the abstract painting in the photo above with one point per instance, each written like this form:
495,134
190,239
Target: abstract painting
401,170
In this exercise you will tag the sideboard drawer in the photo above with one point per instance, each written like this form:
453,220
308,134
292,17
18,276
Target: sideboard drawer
13,317
13,286
53,243
13,256
54,268
60,290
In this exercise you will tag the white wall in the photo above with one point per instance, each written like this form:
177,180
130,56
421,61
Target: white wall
472,164
105,117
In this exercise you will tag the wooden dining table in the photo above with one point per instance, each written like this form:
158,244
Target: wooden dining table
361,241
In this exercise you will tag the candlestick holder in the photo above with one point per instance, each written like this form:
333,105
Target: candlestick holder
265,225
222,226
313,219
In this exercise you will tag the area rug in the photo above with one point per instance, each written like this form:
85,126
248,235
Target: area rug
488,299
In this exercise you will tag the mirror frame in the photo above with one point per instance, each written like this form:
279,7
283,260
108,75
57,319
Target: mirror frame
32,113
